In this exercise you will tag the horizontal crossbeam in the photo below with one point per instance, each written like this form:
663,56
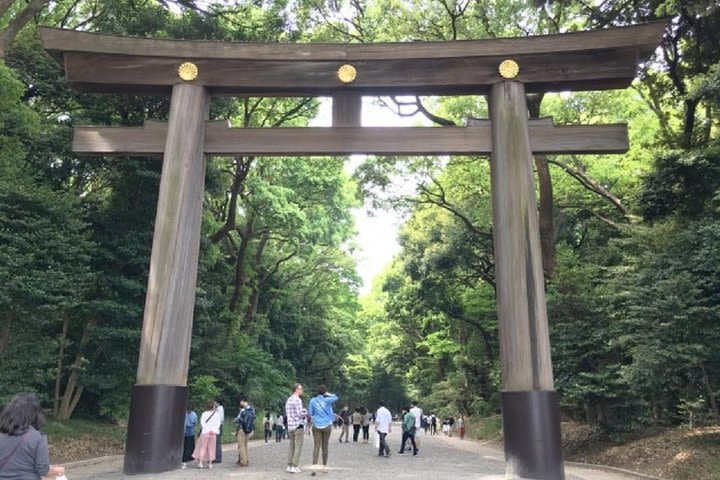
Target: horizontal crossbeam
222,140
590,60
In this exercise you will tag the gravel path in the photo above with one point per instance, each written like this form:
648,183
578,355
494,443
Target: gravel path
440,457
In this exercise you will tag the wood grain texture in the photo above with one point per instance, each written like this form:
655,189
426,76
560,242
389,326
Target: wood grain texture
474,139
522,316
170,300
346,110
592,60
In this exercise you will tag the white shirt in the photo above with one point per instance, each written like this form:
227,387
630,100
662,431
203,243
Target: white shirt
383,419
210,422
220,412
417,413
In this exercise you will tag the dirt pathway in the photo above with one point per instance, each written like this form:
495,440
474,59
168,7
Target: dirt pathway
440,458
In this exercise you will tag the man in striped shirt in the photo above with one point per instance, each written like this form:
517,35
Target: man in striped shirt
296,415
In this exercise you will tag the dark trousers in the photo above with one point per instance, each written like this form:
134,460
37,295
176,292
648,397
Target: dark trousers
366,432
408,436
384,449
188,448
218,447
356,432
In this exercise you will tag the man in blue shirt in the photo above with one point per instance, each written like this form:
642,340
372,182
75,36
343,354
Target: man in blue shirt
191,419
321,412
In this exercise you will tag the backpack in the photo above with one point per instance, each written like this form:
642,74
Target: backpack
247,419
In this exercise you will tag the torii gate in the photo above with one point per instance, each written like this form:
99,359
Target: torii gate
505,69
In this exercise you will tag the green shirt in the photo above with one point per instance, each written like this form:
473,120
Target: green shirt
408,422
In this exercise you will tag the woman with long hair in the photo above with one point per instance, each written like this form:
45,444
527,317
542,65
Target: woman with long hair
210,423
367,416
23,449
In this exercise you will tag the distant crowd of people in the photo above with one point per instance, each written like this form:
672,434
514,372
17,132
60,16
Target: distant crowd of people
318,419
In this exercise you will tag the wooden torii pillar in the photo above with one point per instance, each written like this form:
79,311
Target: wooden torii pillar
504,69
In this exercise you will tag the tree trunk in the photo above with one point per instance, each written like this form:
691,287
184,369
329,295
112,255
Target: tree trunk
240,277
689,123
545,190
242,169
252,308
72,389
710,393
545,214
61,354
18,22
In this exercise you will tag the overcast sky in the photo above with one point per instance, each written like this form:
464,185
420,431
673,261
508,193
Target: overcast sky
377,237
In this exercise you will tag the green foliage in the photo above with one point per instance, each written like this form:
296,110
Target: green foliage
484,428
203,388
44,252
685,184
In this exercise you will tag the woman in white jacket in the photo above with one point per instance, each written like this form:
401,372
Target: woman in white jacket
210,422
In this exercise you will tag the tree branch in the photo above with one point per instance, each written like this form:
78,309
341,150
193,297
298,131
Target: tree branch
18,23
590,184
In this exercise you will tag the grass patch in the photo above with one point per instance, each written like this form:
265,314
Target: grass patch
484,428
74,429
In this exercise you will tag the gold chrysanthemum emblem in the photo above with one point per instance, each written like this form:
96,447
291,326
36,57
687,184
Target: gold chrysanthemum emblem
347,73
509,69
188,71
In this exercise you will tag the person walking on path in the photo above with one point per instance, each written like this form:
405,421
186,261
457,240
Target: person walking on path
461,426
191,419
221,414
205,448
245,422
295,416
322,416
383,425
23,449
357,419
345,424
267,426
365,424
408,431
279,427
417,413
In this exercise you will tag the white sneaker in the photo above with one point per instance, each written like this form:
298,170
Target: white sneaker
295,470
184,465
289,470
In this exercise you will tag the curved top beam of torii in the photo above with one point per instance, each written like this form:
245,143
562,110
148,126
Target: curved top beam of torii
590,60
